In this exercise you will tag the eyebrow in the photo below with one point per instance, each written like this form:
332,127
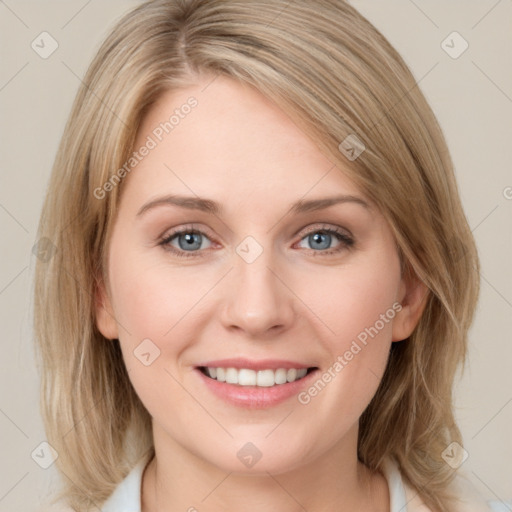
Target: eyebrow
210,206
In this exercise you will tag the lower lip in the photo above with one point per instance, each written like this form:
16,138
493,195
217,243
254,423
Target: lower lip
255,397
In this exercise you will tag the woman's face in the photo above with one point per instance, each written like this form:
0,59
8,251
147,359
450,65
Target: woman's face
267,277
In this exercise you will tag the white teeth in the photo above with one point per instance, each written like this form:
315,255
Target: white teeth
262,378
221,374
246,377
265,378
291,375
280,376
231,376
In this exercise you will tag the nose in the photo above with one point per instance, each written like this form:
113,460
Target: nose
258,300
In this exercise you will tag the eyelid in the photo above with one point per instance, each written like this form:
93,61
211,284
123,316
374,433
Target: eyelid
185,228
319,226
345,238
192,227
189,227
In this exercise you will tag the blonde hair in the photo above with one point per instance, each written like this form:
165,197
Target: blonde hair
336,76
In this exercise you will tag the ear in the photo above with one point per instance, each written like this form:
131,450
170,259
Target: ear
105,320
413,296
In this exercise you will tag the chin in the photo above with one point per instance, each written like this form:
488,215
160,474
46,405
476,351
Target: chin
258,457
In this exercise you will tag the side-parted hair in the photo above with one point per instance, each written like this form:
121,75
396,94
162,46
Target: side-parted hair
337,76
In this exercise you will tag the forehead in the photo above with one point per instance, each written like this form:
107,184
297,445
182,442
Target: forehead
232,144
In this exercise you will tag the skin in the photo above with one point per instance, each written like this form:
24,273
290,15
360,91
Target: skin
293,302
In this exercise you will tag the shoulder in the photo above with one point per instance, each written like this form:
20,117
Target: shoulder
500,506
468,498
126,496
55,507
471,500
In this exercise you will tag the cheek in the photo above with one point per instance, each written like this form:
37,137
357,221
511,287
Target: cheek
352,300
160,303
357,313
152,304
152,298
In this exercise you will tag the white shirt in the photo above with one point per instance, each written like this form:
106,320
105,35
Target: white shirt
127,495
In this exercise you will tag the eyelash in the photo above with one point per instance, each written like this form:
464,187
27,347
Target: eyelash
346,241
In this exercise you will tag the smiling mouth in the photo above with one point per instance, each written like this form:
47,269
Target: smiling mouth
258,378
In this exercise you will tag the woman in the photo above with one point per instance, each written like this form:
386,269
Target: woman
200,350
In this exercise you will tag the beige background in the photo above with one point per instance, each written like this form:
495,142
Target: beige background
472,97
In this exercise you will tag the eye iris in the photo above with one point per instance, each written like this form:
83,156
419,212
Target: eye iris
191,239
317,237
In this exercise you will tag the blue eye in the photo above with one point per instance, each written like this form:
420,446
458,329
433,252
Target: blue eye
190,242
321,239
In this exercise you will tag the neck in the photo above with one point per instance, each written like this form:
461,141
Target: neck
176,479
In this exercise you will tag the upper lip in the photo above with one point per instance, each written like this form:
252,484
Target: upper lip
251,364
